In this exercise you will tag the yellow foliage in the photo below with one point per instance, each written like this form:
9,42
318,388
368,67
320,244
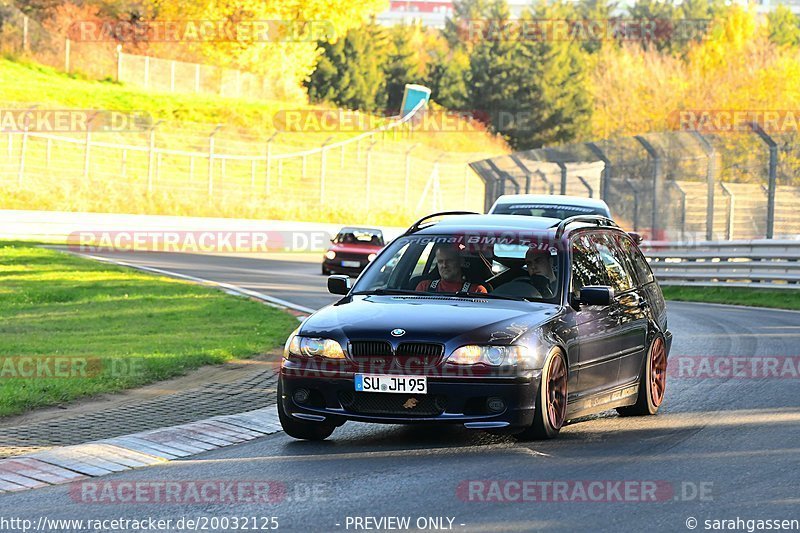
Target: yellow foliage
290,53
736,67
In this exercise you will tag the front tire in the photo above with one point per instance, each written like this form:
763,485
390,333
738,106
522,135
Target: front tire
301,429
652,382
551,400
325,271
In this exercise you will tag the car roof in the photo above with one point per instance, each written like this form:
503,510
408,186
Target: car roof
551,199
498,223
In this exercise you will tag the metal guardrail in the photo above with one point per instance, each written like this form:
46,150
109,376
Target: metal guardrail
763,263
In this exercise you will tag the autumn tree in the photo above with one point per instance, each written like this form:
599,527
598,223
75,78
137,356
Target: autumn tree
289,54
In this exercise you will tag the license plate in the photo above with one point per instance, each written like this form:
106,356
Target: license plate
351,264
391,384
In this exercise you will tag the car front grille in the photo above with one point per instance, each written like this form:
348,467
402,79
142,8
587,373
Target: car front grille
376,403
368,349
408,356
421,350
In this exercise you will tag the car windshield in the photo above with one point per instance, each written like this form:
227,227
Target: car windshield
547,210
514,267
359,236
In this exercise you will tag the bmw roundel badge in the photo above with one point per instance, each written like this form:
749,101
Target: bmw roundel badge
397,332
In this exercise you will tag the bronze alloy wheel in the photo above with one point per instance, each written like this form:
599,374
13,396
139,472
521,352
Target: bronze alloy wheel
658,371
556,391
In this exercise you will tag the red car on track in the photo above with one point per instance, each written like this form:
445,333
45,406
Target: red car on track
352,250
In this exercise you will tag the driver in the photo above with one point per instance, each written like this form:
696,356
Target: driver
539,265
451,276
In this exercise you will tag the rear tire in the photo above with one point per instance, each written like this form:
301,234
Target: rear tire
652,382
325,271
302,429
551,400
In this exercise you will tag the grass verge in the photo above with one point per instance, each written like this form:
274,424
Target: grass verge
123,327
775,298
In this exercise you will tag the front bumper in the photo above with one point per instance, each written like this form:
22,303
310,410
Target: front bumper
335,266
460,400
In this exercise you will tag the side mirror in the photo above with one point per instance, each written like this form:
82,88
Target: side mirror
339,284
596,295
636,237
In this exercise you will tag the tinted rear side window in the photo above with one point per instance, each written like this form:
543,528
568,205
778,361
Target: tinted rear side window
634,255
618,270
587,267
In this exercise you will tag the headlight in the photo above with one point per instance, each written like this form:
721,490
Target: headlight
371,257
489,355
330,254
315,347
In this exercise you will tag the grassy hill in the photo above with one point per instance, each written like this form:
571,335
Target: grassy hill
53,176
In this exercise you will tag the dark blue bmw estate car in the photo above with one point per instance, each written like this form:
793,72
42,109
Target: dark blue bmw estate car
496,322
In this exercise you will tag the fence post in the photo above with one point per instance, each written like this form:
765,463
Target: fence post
369,173
731,209
563,168
711,156
211,161
605,176
683,209
150,152
21,172
773,176
66,55
88,145
408,173
322,169
658,179
25,44
635,190
119,62
269,162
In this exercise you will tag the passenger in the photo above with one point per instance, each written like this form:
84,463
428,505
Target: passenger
451,275
539,265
